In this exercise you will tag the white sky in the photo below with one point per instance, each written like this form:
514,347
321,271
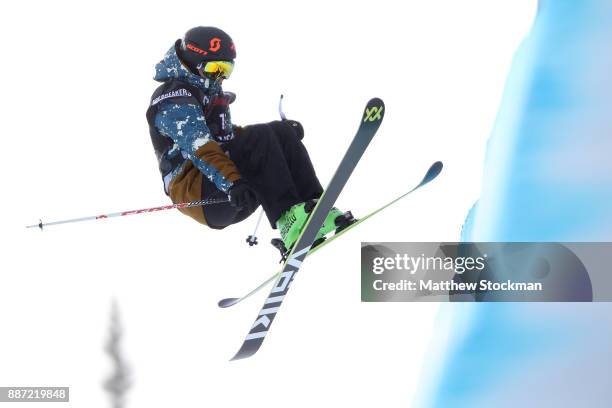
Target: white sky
77,80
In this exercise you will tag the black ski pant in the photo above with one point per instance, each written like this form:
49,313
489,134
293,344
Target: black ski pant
274,161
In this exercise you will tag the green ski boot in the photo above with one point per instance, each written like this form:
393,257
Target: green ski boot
290,225
336,221
292,221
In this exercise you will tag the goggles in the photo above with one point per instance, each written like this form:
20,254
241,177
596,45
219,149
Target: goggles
216,69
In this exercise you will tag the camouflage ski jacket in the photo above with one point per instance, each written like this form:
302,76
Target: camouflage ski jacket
189,119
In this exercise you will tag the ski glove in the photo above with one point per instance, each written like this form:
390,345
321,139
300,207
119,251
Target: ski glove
229,96
242,196
296,126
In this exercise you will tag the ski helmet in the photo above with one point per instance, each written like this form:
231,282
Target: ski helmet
202,44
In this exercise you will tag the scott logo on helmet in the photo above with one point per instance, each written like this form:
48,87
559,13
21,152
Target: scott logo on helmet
196,49
215,44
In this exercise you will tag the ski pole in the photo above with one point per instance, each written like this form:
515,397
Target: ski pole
132,212
280,108
252,239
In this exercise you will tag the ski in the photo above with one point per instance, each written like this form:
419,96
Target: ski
432,173
370,122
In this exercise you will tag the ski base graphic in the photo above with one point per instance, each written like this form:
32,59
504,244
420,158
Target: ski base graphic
372,117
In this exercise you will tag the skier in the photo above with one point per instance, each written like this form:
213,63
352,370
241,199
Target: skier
202,155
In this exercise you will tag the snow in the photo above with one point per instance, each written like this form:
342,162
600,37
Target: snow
444,64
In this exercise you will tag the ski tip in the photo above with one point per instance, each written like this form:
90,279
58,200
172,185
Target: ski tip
227,302
374,111
249,348
433,172
237,357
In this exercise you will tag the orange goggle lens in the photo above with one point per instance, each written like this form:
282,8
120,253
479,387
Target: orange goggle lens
218,68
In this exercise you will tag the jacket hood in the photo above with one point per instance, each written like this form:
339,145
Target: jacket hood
171,67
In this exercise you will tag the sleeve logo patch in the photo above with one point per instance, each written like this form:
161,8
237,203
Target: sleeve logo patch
172,94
